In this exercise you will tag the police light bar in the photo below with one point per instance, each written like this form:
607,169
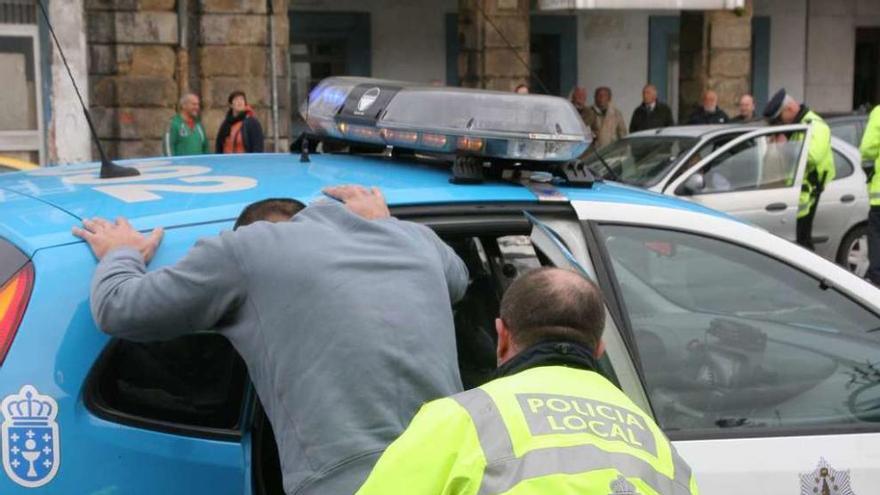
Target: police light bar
443,120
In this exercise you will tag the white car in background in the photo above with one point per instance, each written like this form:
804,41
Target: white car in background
744,171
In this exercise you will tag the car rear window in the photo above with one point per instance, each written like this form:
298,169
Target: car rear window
11,260
192,385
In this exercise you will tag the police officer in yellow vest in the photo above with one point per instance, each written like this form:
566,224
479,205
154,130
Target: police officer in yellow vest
549,424
783,109
870,149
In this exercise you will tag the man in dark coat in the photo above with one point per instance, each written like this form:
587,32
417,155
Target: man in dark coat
709,112
651,114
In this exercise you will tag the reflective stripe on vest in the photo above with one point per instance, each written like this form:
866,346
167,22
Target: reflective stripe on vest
504,470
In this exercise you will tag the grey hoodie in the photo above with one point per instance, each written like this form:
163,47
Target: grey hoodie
345,326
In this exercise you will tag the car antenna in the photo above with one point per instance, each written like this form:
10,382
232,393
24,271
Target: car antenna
109,170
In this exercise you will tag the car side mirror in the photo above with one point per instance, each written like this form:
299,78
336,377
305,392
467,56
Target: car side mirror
694,184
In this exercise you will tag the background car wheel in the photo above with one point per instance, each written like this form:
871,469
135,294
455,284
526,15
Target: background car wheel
853,252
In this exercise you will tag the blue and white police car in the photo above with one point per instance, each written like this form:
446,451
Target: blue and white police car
759,359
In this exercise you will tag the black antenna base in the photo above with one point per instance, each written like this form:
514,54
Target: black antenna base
576,174
110,170
467,170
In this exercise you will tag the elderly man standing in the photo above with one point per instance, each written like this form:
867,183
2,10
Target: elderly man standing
783,109
746,107
651,114
604,119
709,112
185,135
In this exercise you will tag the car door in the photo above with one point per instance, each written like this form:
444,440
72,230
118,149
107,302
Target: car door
759,358
756,177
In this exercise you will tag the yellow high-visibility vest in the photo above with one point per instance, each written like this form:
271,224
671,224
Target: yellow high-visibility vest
549,429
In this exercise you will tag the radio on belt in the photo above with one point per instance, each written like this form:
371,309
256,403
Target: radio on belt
441,120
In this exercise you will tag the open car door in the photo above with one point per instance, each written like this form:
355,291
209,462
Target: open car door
756,177
758,357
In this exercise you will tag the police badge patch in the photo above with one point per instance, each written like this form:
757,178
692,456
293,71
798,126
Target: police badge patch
621,486
31,447
825,480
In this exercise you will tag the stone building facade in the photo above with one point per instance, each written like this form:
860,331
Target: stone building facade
135,58
145,54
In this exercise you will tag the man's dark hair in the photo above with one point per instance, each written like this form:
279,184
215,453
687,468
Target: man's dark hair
603,88
266,208
553,304
235,93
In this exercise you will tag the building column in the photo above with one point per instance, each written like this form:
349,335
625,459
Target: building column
234,55
493,43
132,61
67,120
715,53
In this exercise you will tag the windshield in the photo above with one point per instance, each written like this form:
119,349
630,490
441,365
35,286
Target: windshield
640,161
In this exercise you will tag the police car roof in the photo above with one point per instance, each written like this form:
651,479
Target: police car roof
38,208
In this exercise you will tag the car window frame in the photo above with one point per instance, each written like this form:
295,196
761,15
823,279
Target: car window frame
721,433
673,187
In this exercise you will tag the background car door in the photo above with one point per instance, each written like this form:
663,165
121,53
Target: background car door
755,177
842,206
758,357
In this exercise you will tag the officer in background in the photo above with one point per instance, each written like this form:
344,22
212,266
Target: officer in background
549,424
870,149
783,109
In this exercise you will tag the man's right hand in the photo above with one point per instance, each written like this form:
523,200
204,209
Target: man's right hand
367,203
104,236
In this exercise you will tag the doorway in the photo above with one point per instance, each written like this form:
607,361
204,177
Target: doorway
324,44
866,80
553,54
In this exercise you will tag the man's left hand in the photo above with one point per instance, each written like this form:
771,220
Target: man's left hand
368,203
104,236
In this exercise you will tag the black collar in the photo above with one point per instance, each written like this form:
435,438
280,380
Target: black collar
554,353
802,112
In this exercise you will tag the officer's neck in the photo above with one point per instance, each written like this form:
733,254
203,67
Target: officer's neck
552,353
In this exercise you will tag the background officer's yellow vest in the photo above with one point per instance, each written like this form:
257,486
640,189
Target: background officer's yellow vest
820,161
870,148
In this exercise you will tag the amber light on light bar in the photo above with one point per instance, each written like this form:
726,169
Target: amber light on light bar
470,144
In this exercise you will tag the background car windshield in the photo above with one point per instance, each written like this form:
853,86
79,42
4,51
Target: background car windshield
640,161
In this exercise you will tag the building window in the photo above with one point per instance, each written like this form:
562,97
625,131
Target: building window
21,123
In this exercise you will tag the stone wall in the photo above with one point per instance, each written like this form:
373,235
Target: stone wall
715,53
485,59
139,69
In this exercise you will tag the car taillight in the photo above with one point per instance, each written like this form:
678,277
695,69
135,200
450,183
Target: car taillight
14,296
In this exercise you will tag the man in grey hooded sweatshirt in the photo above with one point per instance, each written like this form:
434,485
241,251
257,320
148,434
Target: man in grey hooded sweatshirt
342,316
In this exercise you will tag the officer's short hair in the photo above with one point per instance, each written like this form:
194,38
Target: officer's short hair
268,208
552,304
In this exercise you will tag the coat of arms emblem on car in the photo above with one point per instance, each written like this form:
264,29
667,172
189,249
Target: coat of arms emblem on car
368,98
31,447
825,480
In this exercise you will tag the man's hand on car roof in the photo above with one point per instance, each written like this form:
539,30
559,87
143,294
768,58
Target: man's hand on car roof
368,203
104,236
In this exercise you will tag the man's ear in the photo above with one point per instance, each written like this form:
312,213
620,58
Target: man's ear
600,349
504,343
